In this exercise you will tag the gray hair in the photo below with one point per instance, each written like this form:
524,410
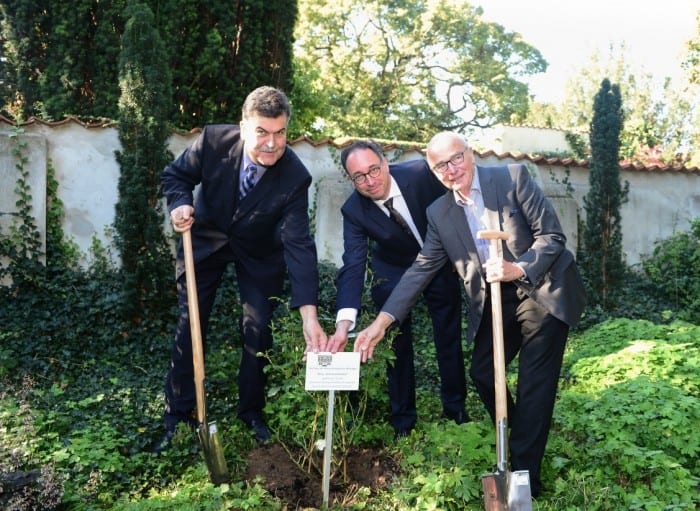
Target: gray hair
267,102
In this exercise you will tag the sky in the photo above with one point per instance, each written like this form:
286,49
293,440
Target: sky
568,32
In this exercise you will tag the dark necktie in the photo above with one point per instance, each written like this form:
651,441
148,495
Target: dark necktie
396,216
248,180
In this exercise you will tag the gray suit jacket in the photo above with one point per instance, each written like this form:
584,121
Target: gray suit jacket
514,204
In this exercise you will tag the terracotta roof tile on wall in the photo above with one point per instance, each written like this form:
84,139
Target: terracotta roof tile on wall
585,163
103,123
634,167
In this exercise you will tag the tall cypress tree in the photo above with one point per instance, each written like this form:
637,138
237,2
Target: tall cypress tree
25,32
220,51
602,233
64,55
144,104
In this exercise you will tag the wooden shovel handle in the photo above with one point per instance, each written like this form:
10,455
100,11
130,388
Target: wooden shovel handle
195,327
492,235
499,358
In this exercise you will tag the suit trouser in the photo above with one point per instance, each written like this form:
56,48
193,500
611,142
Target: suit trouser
255,292
443,299
538,339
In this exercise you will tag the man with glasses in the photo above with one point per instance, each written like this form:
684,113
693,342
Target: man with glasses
542,292
384,225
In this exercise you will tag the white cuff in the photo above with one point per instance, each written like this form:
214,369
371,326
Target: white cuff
347,314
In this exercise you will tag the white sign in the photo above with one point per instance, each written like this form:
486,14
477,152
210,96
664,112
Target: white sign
333,371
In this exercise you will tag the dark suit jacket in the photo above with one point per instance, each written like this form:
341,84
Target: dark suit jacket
516,205
366,227
267,230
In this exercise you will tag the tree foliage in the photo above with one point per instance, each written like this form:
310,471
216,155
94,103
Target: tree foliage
144,79
62,55
657,112
692,58
220,51
602,233
403,70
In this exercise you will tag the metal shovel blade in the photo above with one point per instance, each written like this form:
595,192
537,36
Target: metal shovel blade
519,494
214,453
507,491
495,488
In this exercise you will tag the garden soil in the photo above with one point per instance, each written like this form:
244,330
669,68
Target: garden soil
281,477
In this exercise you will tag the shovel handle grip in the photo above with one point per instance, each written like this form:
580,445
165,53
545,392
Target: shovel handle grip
492,235
195,326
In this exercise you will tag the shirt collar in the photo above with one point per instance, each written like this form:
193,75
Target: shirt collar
475,187
247,161
394,191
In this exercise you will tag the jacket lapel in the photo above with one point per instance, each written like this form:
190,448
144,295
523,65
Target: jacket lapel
228,194
461,226
374,214
409,195
259,191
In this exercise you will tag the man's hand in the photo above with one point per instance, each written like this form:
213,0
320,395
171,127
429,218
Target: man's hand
339,339
500,270
182,218
315,337
370,336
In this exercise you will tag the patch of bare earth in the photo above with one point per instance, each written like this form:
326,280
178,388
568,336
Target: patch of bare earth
302,490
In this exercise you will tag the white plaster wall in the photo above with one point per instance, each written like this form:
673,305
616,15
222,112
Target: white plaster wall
519,140
87,172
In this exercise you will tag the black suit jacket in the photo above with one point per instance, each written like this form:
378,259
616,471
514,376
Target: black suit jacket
514,204
267,230
368,230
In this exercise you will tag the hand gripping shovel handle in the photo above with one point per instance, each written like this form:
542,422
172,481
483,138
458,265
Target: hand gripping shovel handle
208,434
503,490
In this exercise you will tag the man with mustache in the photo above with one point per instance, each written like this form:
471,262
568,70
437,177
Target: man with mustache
250,210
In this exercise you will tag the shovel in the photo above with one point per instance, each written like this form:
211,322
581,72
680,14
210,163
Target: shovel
208,433
503,490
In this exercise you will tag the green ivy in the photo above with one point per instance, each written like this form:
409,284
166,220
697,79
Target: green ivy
22,246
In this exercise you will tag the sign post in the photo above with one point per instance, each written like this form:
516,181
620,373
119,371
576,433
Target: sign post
331,372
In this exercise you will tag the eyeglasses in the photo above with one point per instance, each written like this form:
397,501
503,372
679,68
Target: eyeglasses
360,179
454,160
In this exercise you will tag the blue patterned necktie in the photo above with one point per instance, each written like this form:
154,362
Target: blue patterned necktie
248,180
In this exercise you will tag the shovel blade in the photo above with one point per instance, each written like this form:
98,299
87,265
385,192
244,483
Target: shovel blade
519,493
213,453
495,491
507,491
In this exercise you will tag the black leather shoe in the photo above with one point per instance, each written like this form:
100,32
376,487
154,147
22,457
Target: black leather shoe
261,432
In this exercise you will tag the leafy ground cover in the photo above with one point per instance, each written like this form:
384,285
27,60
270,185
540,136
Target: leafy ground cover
82,402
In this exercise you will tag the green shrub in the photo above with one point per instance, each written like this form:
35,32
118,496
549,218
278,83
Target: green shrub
674,269
623,421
